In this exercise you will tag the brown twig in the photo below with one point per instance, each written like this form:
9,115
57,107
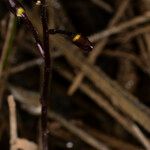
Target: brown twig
15,142
144,6
113,141
102,4
129,56
13,122
5,52
79,132
7,43
126,37
143,54
116,143
24,66
141,136
119,28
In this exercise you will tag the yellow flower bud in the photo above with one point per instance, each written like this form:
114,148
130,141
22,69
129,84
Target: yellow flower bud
20,12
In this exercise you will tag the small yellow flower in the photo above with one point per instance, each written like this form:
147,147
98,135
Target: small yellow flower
20,12
76,37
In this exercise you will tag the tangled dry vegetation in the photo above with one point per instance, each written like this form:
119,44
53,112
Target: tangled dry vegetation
98,100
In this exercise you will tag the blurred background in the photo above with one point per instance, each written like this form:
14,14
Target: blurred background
98,100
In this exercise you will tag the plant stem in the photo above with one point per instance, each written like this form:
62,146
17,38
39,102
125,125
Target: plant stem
35,34
47,69
8,43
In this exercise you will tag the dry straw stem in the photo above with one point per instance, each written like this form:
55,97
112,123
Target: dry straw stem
99,46
13,122
15,142
126,102
28,99
126,37
7,42
28,64
119,28
128,124
110,140
24,144
142,137
143,40
5,52
23,66
137,60
102,4
144,6
143,54
114,142
87,138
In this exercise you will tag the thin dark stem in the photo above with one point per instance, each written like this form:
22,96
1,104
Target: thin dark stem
55,31
18,10
35,35
47,69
